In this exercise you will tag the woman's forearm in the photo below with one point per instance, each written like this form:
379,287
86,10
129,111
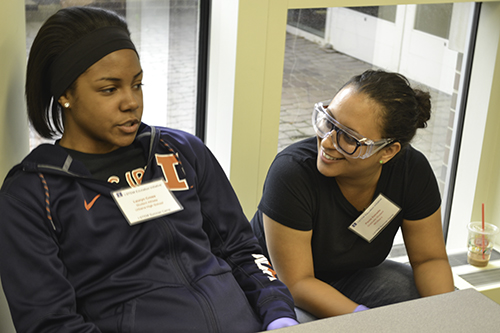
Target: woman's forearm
320,299
433,277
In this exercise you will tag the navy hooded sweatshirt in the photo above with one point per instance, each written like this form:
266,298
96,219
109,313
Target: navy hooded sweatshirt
70,262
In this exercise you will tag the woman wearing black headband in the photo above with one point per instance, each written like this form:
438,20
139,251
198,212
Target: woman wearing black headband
91,238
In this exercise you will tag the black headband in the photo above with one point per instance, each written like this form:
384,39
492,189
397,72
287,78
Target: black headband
82,54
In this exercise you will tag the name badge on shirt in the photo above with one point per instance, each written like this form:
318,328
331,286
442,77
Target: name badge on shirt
375,218
146,201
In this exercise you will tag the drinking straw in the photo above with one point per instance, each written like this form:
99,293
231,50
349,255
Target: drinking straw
482,235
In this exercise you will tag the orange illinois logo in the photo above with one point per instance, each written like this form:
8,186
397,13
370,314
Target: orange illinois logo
134,177
168,165
264,265
114,179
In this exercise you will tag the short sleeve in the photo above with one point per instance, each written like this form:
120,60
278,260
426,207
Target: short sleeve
288,196
422,191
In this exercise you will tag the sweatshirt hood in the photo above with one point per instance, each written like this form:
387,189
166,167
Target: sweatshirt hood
52,158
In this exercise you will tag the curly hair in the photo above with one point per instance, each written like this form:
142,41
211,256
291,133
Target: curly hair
404,109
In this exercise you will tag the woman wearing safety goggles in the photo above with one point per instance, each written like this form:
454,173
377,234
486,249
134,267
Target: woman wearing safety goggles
333,204
345,140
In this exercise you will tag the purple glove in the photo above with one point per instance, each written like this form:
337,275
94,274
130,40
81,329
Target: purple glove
360,307
280,323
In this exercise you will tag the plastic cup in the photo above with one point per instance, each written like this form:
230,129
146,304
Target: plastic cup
480,243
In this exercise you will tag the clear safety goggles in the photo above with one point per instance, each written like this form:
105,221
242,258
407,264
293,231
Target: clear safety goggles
345,140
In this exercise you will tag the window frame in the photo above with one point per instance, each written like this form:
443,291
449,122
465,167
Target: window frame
247,146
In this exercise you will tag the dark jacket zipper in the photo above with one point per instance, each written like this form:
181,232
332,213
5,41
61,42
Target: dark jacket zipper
183,276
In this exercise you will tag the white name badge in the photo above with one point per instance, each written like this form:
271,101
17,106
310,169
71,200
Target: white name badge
146,202
375,218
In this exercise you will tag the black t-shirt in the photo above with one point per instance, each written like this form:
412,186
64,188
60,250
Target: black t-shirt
124,166
297,195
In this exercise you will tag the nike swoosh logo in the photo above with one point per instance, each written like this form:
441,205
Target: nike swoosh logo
89,205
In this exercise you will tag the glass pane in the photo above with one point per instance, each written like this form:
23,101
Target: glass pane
382,12
357,41
165,33
434,19
310,20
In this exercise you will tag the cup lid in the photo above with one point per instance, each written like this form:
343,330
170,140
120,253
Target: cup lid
477,226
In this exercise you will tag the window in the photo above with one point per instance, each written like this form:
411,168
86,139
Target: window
382,12
434,19
310,20
431,53
167,36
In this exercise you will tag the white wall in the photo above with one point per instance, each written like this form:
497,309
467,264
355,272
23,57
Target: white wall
13,123
14,135
222,62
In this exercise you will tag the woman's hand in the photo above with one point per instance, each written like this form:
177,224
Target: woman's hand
281,323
